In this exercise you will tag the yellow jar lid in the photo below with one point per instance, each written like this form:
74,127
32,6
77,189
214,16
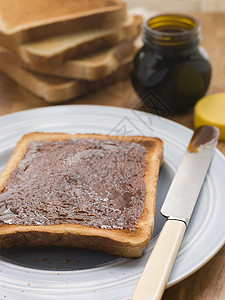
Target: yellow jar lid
210,110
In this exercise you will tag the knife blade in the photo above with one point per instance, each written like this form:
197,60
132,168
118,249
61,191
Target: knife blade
177,207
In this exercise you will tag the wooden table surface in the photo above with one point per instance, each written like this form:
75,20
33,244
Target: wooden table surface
209,282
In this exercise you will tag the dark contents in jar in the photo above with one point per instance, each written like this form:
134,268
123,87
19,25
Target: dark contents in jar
171,66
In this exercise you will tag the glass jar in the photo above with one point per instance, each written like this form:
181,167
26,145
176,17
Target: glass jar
171,71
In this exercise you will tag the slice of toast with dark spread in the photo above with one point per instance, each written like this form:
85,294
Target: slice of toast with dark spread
81,190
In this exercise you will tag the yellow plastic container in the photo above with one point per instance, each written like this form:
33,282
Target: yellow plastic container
210,110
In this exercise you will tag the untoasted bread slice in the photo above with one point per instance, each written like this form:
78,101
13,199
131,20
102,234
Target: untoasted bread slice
49,53
23,21
75,207
56,89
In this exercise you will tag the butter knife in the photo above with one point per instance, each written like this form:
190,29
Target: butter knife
177,207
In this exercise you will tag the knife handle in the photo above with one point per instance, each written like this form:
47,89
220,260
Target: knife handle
154,278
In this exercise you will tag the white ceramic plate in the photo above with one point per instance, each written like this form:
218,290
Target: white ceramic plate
41,273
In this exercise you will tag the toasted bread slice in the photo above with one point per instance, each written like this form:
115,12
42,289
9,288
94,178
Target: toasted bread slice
49,53
56,89
91,67
81,190
22,21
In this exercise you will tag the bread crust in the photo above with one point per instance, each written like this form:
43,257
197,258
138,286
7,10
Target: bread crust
114,241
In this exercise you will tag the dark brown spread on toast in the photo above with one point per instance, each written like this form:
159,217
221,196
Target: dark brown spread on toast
92,182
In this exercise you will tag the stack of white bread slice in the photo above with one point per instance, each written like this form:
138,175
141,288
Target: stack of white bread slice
60,50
